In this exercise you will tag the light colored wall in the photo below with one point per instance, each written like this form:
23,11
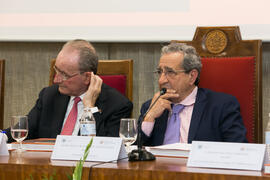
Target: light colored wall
27,71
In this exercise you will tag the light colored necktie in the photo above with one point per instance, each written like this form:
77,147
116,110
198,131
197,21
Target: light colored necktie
71,119
172,134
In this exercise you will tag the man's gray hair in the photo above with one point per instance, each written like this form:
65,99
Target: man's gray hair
88,60
191,58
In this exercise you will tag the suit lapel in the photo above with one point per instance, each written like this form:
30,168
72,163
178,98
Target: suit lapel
60,104
198,110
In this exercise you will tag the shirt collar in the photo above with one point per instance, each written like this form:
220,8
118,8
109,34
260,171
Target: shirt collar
190,99
81,96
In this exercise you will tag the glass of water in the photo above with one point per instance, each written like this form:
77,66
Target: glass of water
19,129
128,131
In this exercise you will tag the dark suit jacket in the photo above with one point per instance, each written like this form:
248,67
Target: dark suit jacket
215,117
47,116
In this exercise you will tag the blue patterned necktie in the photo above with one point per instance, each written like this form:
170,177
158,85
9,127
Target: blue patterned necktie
172,134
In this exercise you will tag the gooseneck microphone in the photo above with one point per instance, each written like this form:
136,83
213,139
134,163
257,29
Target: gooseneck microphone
163,91
141,154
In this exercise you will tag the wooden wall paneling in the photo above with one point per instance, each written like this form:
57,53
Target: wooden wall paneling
102,50
266,83
26,72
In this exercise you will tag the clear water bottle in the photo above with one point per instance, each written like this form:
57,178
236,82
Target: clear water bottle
87,124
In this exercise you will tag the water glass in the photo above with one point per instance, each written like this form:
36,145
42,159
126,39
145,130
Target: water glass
19,129
128,131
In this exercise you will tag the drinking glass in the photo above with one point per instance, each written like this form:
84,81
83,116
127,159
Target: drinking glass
19,129
128,131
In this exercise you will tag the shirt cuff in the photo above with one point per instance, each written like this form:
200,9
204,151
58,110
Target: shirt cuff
92,110
147,127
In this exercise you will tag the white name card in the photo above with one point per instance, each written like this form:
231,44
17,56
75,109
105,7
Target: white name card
3,145
103,149
244,156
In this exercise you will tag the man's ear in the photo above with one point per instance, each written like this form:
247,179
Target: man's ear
193,76
87,79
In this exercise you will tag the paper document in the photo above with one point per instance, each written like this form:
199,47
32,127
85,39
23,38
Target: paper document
41,144
171,150
32,147
225,155
103,149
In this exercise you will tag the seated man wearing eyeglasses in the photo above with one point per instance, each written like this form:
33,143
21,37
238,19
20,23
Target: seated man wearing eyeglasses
185,112
76,89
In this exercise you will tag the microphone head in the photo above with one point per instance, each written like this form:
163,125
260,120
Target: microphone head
163,91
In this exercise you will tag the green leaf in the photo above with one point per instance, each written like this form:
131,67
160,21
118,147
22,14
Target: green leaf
77,174
69,176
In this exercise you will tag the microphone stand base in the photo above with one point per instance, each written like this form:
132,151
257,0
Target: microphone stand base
140,155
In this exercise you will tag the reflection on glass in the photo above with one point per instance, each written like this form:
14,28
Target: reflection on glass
128,132
19,129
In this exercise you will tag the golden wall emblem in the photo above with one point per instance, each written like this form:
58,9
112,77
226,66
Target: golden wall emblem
216,41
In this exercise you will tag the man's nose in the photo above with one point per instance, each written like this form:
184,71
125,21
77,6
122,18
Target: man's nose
163,78
57,79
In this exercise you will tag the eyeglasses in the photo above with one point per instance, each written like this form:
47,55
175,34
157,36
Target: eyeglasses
168,72
64,75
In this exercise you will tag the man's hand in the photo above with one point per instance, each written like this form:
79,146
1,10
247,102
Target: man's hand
93,91
162,103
